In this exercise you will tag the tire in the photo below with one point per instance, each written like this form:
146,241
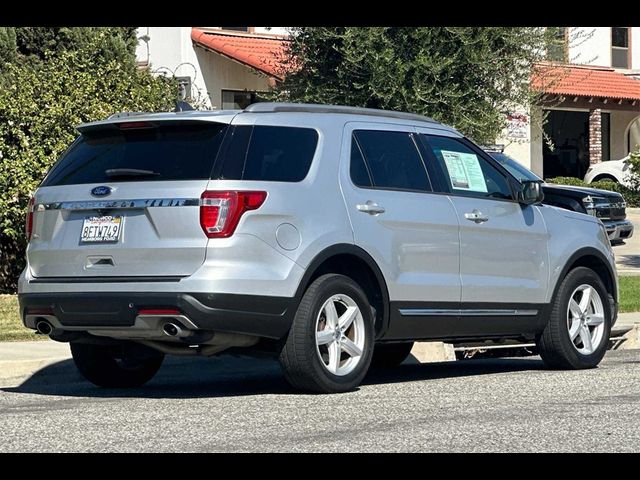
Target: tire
389,355
311,365
609,178
555,345
123,366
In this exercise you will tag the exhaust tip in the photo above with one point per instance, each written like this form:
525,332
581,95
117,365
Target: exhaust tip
44,327
171,329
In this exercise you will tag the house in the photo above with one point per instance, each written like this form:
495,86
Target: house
217,67
590,103
589,112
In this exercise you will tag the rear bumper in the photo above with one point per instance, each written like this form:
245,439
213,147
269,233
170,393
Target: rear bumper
245,314
619,230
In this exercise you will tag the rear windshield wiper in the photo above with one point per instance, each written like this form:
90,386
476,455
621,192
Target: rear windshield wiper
130,172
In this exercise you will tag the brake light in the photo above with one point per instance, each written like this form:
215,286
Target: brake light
220,212
28,224
134,125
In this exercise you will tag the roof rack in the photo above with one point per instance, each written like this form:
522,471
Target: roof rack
270,107
126,114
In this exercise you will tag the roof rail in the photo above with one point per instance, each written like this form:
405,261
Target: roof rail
126,114
270,107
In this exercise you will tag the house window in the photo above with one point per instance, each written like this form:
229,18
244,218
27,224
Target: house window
234,99
237,29
557,50
620,47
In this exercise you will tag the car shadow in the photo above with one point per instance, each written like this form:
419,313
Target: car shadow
226,376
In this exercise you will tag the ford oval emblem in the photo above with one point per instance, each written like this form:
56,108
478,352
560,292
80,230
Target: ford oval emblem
101,191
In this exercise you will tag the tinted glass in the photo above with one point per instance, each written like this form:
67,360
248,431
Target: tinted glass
170,152
466,172
358,169
393,160
278,154
620,36
514,168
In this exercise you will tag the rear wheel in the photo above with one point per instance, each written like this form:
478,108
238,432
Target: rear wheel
119,366
577,333
330,343
387,355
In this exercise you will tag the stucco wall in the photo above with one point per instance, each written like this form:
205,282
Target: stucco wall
620,122
171,52
590,45
221,73
596,49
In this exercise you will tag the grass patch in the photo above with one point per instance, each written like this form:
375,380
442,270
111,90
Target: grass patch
629,294
11,328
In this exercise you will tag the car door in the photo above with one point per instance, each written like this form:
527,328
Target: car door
504,263
411,233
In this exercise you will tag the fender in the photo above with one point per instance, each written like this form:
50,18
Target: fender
341,249
577,255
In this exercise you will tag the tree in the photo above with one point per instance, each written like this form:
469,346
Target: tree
8,46
463,76
40,105
33,44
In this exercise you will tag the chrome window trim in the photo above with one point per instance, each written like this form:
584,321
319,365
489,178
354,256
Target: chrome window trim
119,204
409,312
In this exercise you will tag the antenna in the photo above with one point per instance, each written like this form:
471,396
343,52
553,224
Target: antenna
182,106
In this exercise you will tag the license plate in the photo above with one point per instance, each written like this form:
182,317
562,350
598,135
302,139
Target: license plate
101,229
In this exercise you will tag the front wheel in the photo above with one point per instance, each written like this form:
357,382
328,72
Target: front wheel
578,330
117,366
329,346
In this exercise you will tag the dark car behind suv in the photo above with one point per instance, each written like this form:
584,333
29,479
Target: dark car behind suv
608,206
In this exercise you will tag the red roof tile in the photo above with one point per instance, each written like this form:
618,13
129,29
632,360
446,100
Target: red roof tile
261,53
585,81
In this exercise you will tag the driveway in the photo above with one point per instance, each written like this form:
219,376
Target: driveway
242,404
628,254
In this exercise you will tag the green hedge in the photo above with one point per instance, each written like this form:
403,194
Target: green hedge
40,105
632,197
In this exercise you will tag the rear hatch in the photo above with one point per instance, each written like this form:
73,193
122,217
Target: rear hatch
123,201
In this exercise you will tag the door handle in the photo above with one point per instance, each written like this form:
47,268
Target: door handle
476,216
370,207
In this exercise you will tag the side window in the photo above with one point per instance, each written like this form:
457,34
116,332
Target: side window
266,153
358,169
393,160
465,171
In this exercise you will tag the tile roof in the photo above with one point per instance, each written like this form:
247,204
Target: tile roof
585,81
258,52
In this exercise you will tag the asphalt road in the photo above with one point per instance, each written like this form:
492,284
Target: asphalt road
628,254
241,404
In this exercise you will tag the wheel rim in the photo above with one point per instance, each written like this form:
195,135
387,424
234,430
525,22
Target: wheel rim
585,319
340,335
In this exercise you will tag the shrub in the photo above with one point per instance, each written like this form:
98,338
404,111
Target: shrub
40,104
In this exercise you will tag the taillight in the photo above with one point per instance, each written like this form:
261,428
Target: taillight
220,212
28,224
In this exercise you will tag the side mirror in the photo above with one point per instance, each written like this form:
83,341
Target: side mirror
530,193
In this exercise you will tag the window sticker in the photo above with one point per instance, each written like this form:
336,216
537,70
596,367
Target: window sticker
464,170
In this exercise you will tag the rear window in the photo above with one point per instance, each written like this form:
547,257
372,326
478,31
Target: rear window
166,152
266,153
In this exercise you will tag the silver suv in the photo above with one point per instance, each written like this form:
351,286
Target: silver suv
332,236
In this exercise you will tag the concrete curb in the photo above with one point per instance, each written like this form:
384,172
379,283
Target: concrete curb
20,360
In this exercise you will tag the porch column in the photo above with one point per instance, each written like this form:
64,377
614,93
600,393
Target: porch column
595,136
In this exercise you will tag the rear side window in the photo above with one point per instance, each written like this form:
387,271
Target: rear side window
183,151
393,160
267,153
